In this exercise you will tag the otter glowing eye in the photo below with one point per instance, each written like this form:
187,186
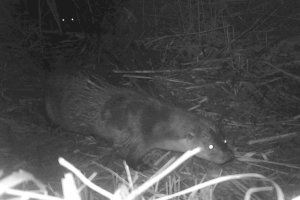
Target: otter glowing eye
63,19
72,19
211,146
225,141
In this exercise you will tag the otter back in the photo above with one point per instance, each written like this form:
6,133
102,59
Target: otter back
133,122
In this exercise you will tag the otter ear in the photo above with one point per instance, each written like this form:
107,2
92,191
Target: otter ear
190,135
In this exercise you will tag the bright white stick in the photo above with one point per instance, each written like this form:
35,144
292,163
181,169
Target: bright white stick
85,180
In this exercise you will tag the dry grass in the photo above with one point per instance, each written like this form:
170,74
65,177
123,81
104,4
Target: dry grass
236,62
127,190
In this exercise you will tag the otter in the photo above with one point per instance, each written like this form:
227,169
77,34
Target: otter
135,123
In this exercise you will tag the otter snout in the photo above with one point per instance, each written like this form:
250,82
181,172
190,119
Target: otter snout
219,157
224,157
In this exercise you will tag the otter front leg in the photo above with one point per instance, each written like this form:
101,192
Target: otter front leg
135,158
137,164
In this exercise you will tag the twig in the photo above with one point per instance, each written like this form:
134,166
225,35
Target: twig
184,34
26,194
70,190
254,190
128,175
297,78
223,179
86,181
17,178
112,172
155,179
270,139
249,159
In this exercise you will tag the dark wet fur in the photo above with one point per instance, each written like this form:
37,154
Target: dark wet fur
134,123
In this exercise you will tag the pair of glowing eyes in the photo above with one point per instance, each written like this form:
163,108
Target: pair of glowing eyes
64,19
212,146
191,135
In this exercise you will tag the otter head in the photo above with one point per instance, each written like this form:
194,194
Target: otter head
190,131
